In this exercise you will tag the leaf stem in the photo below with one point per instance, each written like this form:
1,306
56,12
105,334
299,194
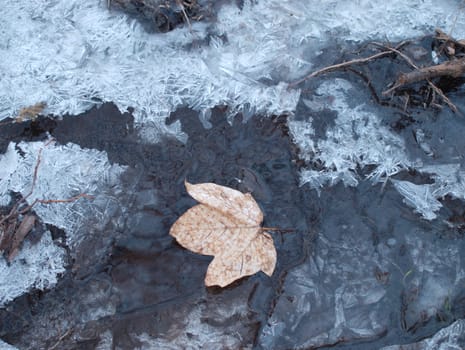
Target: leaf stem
277,229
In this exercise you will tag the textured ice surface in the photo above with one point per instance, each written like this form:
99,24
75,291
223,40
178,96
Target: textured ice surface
5,346
357,139
449,338
63,171
334,295
195,332
370,271
448,180
85,52
435,277
420,197
71,53
36,266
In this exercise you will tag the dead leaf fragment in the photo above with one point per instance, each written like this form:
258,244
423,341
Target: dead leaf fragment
31,112
226,224
24,228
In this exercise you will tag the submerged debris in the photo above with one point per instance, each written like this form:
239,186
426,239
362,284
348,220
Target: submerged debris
166,14
452,66
31,112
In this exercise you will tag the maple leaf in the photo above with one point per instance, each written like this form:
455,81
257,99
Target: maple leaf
226,224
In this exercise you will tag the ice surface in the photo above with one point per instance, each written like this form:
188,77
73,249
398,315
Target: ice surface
5,346
197,333
435,278
449,338
357,139
74,54
85,52
369,268
448,180
36,266
64,171
420,197
70,54
332,296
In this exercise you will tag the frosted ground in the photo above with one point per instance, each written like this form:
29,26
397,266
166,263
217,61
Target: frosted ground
74,55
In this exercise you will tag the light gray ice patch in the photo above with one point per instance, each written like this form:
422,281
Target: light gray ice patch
357,139
63,171
36,266
449,338
448,180
6,346
420,197
71,54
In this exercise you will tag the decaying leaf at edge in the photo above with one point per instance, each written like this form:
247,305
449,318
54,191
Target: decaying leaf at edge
226,224
22,231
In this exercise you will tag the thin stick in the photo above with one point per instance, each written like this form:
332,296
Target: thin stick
66,200
36,168
426,74
345,64
60,339
278,229
184,14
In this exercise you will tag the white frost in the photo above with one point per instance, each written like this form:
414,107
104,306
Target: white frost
36,266
73,53
448,180
6,346
357,139
64,171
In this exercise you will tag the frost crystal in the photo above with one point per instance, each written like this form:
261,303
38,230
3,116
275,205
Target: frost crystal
357,139
73,54
420,197
63,171
424,198
36,266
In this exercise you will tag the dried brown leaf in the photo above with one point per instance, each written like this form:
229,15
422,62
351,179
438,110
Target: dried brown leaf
226,224
23,230
31,112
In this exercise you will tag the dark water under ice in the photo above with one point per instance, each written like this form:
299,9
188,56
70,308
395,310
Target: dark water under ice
135,280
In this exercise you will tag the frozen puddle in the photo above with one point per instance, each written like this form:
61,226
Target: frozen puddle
372,272
376,257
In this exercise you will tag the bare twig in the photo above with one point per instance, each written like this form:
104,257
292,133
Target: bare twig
68,332
450,68
345,64
183,10
66,200
39,158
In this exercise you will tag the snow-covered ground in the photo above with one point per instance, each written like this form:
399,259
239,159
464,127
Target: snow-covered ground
76,54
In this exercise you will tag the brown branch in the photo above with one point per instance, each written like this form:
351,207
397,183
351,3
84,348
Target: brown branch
184,14
66,200
453,69
450,68
36,168
345,64
277,229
